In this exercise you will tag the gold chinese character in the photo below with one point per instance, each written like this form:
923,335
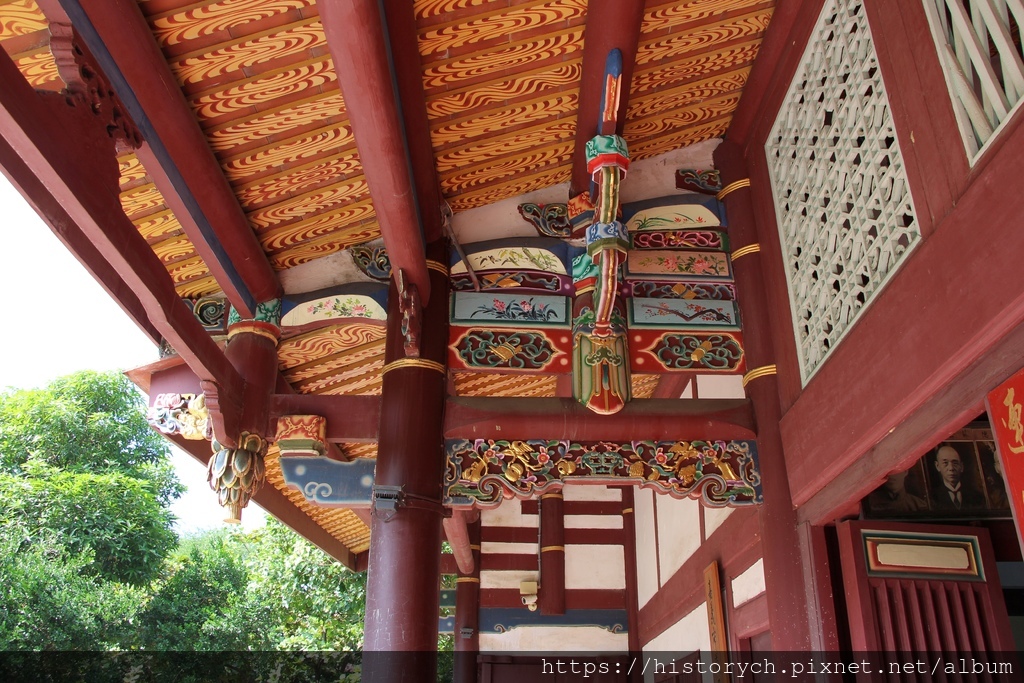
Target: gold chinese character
1014,424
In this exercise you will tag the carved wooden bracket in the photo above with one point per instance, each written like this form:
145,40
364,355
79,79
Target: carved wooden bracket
412,315
89,89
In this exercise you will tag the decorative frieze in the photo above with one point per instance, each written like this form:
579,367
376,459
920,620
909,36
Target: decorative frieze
483,472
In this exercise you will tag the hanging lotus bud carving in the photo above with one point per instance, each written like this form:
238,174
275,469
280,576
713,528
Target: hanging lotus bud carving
237,473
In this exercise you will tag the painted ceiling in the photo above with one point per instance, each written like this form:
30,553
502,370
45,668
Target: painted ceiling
501,82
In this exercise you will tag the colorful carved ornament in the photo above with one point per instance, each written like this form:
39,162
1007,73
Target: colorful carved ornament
696,180
236,474
182,414
658,351
600,354
266,322
372,261
519,349
481,473
299,435
551,220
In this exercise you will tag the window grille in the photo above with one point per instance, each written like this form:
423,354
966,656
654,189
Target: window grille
845,215
980,50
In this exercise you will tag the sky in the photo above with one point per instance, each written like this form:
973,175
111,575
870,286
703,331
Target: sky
58,320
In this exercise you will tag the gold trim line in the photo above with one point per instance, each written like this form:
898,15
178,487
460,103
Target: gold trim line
242,328
474,546
551,495
438,266
762,371
732,187
553,548
743,251
627,511
467,579
413,363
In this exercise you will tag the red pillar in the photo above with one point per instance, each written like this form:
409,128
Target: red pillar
788,592
629,557
552,554
467,614
403,585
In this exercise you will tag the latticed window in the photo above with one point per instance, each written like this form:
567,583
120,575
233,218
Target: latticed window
980,50
845,215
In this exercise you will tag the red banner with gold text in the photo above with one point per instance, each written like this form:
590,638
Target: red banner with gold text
1005,405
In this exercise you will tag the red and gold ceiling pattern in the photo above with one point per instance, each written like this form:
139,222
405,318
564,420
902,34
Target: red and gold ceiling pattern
259,77
343,359
24,35
147,210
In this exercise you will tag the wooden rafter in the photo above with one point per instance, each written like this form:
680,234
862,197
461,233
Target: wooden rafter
356,37
178,156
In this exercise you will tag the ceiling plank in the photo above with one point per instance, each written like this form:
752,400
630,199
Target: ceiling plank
178,156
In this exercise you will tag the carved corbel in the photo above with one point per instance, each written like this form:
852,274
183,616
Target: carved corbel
237,473
88,89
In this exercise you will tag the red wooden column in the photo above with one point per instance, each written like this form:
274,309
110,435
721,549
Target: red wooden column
629,557
467,614
403,585
788,592
552,554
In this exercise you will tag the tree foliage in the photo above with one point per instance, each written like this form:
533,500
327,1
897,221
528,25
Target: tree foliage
86,422
89,559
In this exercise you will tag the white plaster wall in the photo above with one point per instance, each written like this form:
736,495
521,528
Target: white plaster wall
678,533
647,179
592,522
590,492
511,578
646,552
336,269
689,634
555,639
595,566
748,584
509,513
713,518
492,548
720,386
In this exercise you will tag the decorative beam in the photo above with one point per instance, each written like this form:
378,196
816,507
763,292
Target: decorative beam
71,156
356,38
350,419
611,24
177,155
482,472
564,418
456,531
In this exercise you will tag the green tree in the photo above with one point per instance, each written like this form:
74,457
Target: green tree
86,422
51,600
118,518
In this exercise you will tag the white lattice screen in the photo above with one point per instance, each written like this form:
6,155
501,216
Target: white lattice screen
980,49
844,209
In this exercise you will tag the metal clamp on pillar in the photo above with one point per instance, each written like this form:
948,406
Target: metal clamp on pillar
387,500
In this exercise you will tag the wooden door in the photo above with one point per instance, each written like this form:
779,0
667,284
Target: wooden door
922,588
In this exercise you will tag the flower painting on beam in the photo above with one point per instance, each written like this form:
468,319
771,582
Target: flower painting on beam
503,309
683,313
679,265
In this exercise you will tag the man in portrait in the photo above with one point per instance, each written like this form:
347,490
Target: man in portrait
892,498
953,493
